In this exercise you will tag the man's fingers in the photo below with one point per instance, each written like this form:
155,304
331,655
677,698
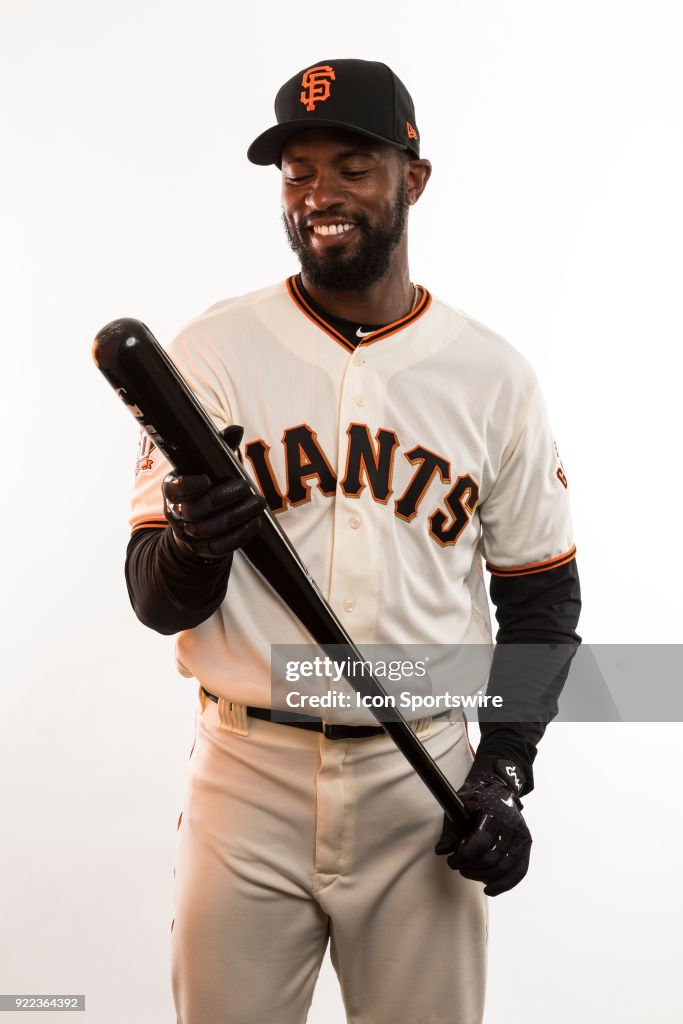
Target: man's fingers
453,835
449,839
510,878
229,495
482,868
475,845
180,488
498,875
230,542
226,521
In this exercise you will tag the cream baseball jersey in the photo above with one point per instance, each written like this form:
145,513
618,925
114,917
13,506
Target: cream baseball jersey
396,468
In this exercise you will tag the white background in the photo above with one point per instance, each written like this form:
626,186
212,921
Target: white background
554,215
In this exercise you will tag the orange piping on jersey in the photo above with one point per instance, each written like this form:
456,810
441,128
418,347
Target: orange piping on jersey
467,734
532,567
383,332
150,524
398,325
300,301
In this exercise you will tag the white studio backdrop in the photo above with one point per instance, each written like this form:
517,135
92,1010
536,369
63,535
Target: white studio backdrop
554,215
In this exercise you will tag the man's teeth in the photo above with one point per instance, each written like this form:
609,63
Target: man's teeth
331,229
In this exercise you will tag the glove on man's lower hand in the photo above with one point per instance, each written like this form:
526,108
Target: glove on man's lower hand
496,849
209,522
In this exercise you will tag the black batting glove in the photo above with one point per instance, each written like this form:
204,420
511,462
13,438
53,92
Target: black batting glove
208,522
496,849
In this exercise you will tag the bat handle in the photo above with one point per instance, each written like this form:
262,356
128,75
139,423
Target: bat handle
426,767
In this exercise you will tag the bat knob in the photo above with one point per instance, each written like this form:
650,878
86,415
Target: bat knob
116,338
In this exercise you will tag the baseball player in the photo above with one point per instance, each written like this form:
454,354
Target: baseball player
402,445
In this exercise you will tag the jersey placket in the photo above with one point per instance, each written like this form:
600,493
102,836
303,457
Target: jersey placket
354,568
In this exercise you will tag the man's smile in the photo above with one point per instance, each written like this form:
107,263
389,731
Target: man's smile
328,234
332,229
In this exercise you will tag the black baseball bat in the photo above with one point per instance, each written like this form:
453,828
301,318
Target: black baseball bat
144,376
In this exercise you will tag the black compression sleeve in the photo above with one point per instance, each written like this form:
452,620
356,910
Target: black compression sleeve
536,611
167,591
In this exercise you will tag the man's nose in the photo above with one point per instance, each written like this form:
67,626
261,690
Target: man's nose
325,190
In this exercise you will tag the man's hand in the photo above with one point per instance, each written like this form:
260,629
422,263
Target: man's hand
209,522
496,849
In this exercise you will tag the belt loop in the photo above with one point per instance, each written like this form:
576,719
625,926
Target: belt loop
233,717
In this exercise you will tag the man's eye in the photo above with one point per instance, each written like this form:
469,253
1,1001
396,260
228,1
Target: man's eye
354,174
295,179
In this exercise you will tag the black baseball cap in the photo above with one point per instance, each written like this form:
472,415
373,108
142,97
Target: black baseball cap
363,96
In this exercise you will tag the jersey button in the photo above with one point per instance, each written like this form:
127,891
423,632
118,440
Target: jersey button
354,522
360,400
349,606
358,360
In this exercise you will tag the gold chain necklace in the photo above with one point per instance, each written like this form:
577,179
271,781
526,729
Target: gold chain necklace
416,292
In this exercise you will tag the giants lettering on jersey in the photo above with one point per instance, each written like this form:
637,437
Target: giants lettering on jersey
369,463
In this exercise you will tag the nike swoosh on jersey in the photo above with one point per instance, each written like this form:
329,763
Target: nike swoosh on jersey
362,334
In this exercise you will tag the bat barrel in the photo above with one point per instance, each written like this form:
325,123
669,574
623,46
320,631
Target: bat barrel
147,380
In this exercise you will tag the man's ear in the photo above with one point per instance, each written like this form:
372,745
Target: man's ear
417,174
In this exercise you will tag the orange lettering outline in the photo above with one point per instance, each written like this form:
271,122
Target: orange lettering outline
438,518
363,464
413,457
303,477
260,444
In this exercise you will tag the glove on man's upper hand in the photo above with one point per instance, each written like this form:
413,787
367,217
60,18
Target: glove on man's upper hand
209,522
496,849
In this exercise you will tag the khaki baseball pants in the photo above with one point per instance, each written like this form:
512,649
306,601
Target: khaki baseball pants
288,841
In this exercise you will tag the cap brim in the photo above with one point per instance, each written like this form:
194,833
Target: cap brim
267,148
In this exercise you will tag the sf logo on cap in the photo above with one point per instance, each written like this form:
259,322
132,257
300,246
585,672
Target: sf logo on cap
316,85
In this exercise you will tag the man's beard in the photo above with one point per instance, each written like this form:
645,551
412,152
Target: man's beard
358,270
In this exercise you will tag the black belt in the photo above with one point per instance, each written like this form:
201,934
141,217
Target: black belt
332,732
312,724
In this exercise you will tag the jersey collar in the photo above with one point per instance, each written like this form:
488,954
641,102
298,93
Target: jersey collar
317,318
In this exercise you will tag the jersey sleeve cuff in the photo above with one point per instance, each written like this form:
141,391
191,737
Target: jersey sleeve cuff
147,523
532,567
